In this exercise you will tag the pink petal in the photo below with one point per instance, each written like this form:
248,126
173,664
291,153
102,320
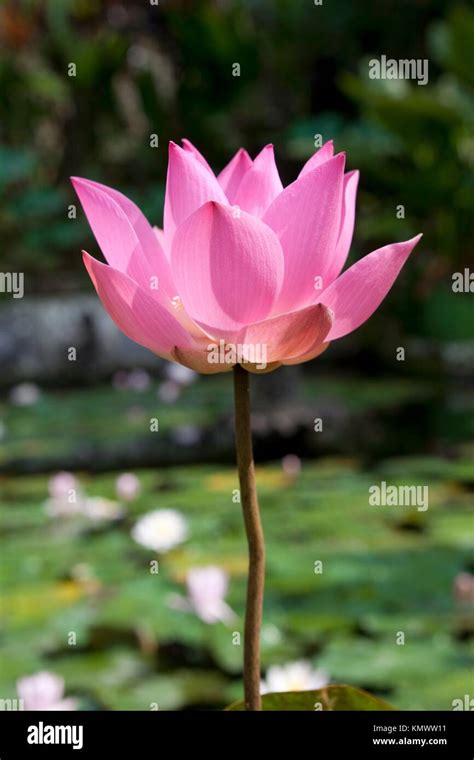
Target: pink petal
290,334
306,217
125,237
187,145
197,359
260,184
231,175
207,583
160,236
308,356
138,314
256,369
357,293
323,154
228,267
188,186
40,690
351,180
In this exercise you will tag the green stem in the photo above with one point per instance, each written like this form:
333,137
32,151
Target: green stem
255,539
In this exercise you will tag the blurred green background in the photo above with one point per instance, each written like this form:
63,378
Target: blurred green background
166,70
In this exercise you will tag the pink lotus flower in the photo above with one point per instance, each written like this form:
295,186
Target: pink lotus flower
44,691
241,261
127,486
207,588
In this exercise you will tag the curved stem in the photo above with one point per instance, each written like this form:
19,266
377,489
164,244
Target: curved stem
255,540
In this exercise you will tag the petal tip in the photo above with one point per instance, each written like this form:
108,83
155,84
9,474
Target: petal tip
78,182
267,149
82,183
89,260
326,310
217,206
409,244
335,163
89,263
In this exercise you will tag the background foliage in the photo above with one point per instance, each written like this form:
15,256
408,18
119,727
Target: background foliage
167,70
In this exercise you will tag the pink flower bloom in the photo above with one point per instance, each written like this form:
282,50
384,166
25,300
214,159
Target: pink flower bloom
127,486
44,691
169,391
463,588
63,485
241,260
66,497
207,587
291,465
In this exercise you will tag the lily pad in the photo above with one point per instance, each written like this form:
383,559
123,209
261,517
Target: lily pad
340,698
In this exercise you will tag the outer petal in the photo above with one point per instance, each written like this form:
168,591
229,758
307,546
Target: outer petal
260,184
231,175
290,334
188,186
351,180
160,236
323,154
306,217
307,357
356,294
187,145
124,235
198,360
228,267
138,314
256,369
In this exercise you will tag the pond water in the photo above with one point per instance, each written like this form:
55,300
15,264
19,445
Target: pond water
376,596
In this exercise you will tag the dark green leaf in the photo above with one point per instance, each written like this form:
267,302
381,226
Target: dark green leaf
330,698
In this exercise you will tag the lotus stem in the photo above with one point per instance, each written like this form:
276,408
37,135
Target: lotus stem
255,539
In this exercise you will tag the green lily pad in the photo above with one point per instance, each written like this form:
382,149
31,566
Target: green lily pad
329,698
